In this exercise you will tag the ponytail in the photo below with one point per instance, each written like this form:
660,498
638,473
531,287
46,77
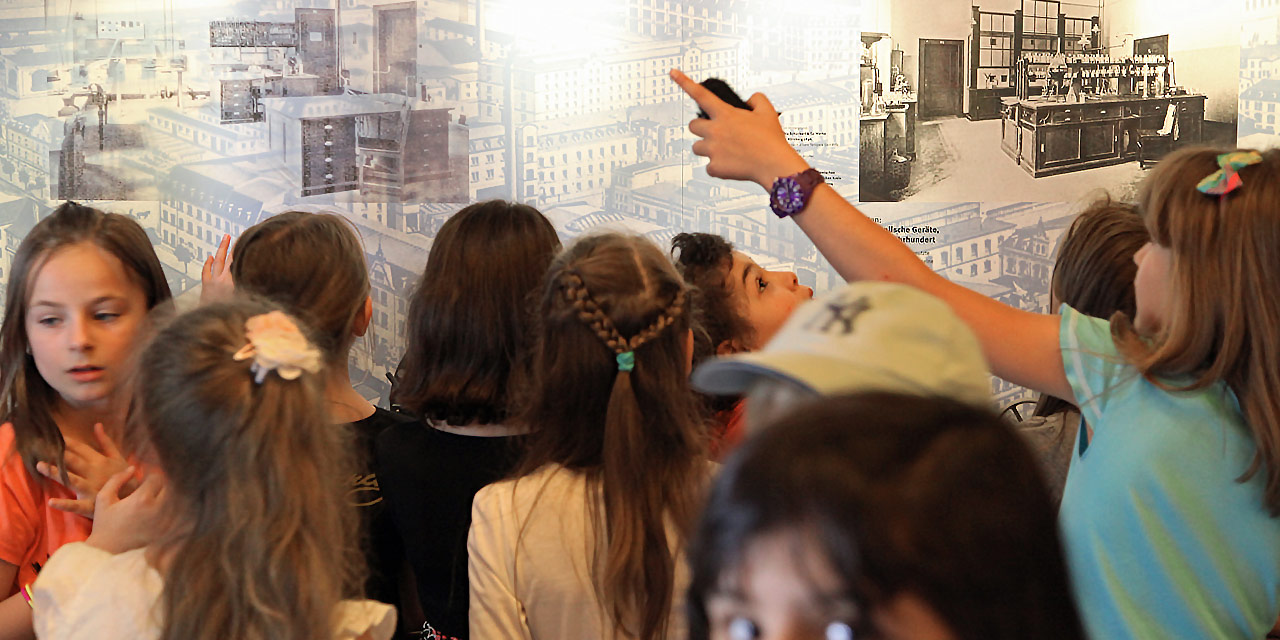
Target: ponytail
261,545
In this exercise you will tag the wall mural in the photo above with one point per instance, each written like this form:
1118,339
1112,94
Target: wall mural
203,118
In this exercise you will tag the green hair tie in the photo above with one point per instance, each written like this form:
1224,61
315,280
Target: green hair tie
626,360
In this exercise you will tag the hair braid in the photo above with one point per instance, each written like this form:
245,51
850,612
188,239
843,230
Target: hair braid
590,313
668,317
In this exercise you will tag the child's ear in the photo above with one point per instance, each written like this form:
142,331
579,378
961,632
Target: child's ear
363,318
730,347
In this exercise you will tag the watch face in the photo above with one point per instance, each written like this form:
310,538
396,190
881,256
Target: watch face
788,195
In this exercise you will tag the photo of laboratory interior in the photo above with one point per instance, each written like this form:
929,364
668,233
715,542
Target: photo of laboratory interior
1038,100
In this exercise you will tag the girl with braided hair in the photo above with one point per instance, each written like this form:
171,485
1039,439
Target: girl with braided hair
586,541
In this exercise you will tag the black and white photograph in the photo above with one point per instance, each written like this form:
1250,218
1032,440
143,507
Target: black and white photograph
1038,100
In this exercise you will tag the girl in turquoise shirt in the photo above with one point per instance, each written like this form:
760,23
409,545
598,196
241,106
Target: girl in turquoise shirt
1168,513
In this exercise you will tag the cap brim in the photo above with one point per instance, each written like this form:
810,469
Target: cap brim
735,375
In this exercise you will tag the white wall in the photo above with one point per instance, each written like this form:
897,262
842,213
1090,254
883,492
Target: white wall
1204,42
907,21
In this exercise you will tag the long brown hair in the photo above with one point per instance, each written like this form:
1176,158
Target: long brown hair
470,313
634,433
1094,271
1224,320
262,546
27,400
314,265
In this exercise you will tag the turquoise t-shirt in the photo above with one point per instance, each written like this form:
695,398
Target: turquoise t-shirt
1161,539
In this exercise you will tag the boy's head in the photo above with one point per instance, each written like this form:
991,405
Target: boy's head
880,514
1095,270
864,336
741,304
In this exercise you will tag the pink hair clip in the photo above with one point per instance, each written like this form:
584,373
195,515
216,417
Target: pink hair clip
277,344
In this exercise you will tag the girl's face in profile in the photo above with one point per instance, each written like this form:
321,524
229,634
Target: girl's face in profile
784,588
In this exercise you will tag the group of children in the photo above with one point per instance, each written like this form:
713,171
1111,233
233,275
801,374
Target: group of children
551,470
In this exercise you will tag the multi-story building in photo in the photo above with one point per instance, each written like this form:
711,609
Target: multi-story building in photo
667,19
547,86
1259,103
569,159
487,151
1258,64
27,152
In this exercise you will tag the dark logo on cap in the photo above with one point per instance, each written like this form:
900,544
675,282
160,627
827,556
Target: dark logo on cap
839,315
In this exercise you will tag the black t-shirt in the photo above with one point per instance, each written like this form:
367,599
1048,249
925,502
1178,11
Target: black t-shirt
381,545
428,479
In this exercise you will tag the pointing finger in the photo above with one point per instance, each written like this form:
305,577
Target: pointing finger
706,100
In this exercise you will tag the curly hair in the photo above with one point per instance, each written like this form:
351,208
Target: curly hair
704,259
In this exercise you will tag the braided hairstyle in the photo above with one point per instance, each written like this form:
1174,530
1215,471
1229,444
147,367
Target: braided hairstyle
608,396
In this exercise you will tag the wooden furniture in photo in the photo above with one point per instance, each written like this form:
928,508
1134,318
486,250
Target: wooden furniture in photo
1153,143
1049,137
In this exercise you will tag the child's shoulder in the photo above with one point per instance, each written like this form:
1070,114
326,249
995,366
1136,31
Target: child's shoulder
550,483
360,619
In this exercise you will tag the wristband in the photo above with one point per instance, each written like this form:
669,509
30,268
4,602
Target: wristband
26,595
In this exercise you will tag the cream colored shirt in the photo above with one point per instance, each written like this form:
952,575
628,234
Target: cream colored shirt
85,593
545,590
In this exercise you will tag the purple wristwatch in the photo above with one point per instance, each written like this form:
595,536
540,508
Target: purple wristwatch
790,194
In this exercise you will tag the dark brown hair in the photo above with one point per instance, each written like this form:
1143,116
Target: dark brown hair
903,495
470,313
28,400
261,544
1224,322
705,259
1094,271
635,434
314,265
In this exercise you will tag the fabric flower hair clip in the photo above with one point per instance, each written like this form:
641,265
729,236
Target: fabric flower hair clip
277,344
1227,178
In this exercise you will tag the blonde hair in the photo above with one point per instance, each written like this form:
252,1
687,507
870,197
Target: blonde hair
263,546
1223,323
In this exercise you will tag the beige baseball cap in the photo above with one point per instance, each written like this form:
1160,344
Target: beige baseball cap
864,336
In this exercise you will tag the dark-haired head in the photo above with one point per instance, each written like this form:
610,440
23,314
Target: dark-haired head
899,496
469,315
704,259
1094,271
313,264
29,401
609,397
